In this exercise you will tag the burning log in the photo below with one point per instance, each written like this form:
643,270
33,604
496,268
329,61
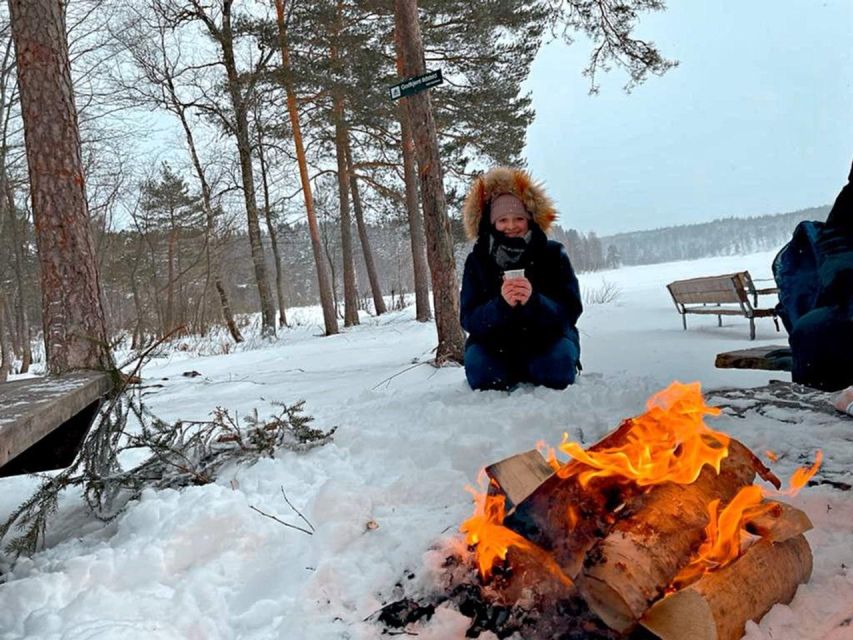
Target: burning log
634,564
518,476
718,606
567,518
564,517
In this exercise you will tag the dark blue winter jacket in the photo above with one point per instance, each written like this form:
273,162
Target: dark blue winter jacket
551,312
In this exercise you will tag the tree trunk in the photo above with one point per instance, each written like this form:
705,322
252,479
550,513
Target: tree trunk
244,149
138,339
372,276
22,343
350,286
330,261
23,320
279,270
416,226
170,283
445,286
214,260
5,343
719,605
323,283
74,328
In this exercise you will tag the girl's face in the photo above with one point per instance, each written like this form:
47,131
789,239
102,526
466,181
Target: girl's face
512,226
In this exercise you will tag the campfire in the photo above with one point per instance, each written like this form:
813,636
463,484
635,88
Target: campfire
658,526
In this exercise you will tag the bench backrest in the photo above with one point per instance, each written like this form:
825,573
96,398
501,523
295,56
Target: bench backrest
722,289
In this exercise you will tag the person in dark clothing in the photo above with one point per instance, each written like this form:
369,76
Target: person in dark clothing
814,273
520,298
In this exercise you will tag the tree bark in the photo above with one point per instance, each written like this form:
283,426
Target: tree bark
22,341
372,275
338,116
350,285
331,322
718,606
22,316
170,283
445,286
74,327
416,226
244,149
279,270
5,344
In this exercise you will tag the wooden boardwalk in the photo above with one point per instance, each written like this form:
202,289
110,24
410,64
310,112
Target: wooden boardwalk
43,420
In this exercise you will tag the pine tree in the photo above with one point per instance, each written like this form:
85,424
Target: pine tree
72,310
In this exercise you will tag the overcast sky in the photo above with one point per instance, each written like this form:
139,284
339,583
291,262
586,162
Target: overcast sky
757,118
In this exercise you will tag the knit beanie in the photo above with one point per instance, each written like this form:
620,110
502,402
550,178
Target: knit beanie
507,204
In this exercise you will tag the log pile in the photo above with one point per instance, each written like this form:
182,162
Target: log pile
623,546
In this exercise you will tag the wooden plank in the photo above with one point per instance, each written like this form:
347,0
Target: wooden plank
30,410
767,291
763,313
771,358
715,311
518,475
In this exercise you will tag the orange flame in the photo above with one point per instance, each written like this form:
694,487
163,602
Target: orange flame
771,455
668,443
485,530
723,535
802,475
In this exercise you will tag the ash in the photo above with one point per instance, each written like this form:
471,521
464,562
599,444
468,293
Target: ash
536,619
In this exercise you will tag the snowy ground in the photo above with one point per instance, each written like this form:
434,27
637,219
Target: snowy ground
199,564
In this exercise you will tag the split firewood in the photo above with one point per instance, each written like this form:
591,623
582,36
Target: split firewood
718,606
779,522
517,476
630,568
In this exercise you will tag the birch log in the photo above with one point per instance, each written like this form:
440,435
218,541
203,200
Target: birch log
718,606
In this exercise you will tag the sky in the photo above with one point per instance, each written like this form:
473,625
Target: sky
756,119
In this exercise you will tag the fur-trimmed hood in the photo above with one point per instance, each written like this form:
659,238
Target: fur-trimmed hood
501,180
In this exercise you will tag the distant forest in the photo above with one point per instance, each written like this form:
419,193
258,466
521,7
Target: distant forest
588,251
721,237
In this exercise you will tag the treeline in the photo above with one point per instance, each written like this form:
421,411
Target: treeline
281,122
721,237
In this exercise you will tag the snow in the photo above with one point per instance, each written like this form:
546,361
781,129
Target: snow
201,564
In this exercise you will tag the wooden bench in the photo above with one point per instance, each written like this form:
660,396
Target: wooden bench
732,290
43,421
